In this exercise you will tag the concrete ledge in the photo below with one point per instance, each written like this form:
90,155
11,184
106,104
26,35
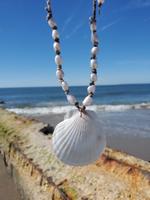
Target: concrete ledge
39,175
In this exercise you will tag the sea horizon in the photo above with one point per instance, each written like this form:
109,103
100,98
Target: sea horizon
77,85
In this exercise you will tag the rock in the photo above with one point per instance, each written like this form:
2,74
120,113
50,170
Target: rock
47,129
1,102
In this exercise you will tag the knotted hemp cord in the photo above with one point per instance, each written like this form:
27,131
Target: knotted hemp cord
49,10
93,20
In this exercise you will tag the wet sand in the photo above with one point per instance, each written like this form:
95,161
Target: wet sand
131,144
7,187
53,120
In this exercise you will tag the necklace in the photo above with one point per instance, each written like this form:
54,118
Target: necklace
79,139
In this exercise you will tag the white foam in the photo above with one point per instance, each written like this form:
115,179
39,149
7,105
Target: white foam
41,111
64,109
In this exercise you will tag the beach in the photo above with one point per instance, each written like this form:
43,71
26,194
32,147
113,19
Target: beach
122,110
134,143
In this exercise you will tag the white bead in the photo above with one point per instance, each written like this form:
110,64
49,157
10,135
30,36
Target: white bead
87,101
64,86
59,74
93,64
93,26
58,60
94,38
101,1
91,88
55,34
56,46
71,99
52,22
94,51
93,77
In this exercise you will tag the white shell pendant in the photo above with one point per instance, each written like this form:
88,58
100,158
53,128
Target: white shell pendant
79,141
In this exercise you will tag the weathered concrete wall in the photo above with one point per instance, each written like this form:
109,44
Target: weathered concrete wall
39,175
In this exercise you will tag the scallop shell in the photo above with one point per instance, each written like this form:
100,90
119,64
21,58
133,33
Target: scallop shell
79,141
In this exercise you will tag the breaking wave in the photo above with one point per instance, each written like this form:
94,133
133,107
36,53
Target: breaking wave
63,109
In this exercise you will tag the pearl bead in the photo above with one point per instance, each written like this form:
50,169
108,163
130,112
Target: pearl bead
52,22
87,101
101,1
93,77
56,46
58,60
55,34
64,86
59,74
93,26
91,88
94,51
71,99
93,64
94,38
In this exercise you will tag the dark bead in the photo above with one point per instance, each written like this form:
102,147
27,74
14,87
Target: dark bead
93,57
83,107
49,16
48,10
100,4
94,31
57,52
57,40
67,92
54,28
77,105
91,94
94,71
95,44
92,83
59,67
61,80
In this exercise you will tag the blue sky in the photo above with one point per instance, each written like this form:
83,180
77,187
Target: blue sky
26,45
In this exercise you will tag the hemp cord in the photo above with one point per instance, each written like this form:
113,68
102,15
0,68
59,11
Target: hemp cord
93,20
94,10
49,10
99,5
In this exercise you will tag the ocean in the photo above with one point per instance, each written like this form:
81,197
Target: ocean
122,109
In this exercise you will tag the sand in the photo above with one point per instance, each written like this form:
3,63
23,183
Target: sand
7,187
131,144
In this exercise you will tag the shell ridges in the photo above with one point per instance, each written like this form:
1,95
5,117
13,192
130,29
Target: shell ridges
79,141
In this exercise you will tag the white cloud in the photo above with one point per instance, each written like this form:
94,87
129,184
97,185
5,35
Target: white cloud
76,28
109,25
79,5
67,22
137,4
67,36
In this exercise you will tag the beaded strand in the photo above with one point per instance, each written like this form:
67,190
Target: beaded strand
59,60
